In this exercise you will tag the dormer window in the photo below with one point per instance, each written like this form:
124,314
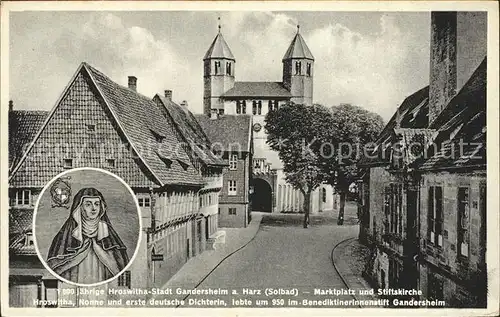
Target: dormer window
29,239
228,68
111,163
217,67
91,127
308,69
68,163
298,68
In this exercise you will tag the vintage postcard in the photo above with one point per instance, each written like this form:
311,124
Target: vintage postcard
249,158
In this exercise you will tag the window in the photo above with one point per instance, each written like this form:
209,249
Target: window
111,163
232,188
435,215
233,162
219,211
259,107
210,199
298,68
394,209
217,67
51,292
124,279
91,127
23,197
254,107
232,211
144,201
201,201
323,192
241,107
228,68
463,221
68,163
273,105
308,69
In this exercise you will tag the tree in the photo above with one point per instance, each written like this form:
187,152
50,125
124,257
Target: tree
290,131
352,129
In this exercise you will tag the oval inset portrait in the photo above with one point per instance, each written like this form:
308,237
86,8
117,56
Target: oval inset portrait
86,226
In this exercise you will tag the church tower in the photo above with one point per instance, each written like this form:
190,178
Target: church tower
218,74
298,70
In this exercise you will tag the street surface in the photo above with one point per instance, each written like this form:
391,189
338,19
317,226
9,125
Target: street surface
283,262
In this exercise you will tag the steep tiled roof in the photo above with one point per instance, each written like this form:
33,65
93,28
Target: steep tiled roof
257,89
137,115
461,138
141,122
298,49
219,49
411,114
228,132
20,221
23,126
191,130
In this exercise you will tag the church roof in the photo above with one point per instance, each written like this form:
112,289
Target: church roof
232,132
298,49
219,49
257,89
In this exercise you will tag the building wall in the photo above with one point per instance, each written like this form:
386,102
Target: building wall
443,61
458,45
238,220
472,29
215,85
240,201
447,255
300,86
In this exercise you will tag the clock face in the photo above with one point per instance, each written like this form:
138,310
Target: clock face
257,127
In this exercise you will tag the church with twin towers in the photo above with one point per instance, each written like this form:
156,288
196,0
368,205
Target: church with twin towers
225,96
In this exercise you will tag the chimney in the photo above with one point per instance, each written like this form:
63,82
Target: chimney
11,105
168,94
132,83
184,103
213,114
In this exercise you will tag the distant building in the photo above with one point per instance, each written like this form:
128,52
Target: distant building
423,198
225,96
145,142
232,135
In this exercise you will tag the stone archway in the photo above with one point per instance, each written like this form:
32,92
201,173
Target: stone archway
262,197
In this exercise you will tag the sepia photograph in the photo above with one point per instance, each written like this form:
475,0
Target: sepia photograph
250,157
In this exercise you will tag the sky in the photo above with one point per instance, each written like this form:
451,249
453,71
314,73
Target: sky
370,59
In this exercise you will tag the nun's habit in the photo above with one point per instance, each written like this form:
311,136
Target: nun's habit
85,250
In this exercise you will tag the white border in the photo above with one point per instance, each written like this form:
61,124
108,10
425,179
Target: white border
35,211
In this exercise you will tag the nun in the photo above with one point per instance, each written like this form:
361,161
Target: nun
87,250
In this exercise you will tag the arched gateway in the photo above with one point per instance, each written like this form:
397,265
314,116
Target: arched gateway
262,196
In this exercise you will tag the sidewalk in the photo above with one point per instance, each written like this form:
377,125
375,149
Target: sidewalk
197,268
349,257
